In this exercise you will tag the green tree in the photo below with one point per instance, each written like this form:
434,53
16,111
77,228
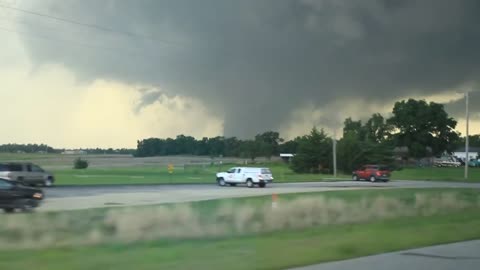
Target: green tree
422,126
232,147
26,148
473,141
201,147
251,149
268,143
80,163
353,152
349,152
185,145
314,153
216,146
377,129
289,146
353,127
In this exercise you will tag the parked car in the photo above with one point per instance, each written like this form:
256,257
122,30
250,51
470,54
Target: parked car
26,173
447,161
14,195
474,163
372,173
245,175
462,163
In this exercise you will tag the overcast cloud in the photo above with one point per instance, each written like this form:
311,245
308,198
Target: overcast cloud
262,65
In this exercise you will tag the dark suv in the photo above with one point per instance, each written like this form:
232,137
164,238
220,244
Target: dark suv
372,173
14,195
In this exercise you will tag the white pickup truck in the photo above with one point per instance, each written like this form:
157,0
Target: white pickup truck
245,175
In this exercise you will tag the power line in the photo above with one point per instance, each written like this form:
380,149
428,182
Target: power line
89,25
34,35
11,3
15,22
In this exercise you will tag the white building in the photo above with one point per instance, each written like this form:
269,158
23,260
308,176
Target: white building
74,152
286,157
472,153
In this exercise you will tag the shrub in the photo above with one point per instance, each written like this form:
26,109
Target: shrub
313,154
80,164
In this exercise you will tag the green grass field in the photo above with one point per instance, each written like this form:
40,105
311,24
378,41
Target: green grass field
438,174
151,174
281,172
277,249
160,175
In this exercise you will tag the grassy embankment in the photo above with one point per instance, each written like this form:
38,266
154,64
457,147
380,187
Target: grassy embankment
241,233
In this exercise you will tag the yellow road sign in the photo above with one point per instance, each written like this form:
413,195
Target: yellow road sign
170,168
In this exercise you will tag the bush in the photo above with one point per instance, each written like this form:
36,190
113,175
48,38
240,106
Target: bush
314,153
80,164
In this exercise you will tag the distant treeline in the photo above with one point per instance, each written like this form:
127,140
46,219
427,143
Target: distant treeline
43,148
267,144
415,129
26,148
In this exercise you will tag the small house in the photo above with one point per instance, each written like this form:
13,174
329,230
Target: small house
286,157
462,154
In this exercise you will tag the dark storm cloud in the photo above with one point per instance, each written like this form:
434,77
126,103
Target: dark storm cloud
148,98
256,61
457,108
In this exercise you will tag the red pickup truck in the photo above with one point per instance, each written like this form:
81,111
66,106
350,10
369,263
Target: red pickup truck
372,173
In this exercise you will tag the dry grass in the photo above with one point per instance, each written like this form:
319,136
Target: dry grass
182,221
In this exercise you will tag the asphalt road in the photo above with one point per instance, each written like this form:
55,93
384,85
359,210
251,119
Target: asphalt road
92,190
458,256
82,197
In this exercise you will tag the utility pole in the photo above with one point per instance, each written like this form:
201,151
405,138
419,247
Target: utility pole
335,154
467,116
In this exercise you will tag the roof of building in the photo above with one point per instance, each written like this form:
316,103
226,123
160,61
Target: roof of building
470,149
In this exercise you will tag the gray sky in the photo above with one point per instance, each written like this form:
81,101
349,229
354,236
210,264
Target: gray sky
243,67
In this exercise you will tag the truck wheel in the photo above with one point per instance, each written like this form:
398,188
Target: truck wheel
372,179
221,182
262,185
250,183
355,177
